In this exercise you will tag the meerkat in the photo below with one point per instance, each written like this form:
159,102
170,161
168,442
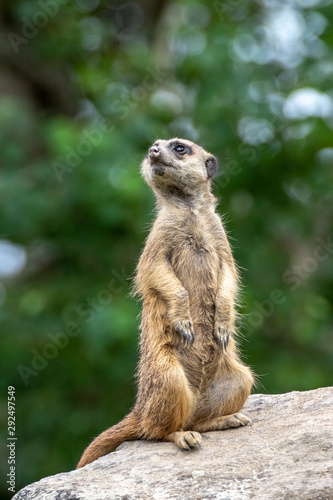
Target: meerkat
190,378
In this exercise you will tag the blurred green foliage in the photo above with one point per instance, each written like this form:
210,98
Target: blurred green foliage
86,87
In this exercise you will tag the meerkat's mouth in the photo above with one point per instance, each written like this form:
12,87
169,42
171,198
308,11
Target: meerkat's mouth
158,163
158,169
161,168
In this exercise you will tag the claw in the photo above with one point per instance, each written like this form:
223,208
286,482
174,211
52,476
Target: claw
220,339
196,443
191,335
223,338
226,340
188,440
186,332
187,445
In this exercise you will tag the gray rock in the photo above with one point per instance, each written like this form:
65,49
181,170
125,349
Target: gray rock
286,454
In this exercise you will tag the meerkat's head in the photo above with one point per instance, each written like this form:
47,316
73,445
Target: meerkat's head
178,167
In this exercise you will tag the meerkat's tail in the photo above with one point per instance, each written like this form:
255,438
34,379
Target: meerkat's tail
107,441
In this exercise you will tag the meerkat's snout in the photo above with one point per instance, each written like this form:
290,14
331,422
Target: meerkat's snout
155,158
154,151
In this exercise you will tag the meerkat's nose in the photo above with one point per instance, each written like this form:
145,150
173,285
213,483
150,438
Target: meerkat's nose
154,151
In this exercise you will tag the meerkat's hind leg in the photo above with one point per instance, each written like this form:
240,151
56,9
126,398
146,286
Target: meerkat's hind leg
187,440
222,423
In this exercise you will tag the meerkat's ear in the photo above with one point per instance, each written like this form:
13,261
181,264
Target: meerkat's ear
211,166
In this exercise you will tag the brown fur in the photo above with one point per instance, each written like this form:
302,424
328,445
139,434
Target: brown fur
190,378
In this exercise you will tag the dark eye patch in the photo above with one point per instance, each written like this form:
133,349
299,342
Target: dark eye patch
180,148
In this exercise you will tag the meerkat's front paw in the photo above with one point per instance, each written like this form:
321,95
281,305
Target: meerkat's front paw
185,329
222,335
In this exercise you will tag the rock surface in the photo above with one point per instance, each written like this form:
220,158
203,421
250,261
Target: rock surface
286,454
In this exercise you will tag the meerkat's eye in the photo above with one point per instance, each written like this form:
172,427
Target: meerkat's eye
180,149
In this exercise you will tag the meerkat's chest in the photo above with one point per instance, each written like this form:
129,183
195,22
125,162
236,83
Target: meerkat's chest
197,243
194,256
